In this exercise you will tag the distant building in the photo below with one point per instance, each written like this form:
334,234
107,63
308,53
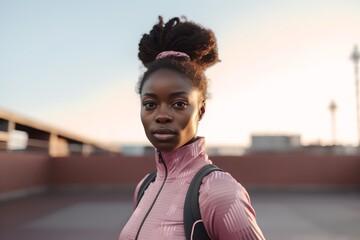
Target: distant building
225,150
331,149
136,150
275,143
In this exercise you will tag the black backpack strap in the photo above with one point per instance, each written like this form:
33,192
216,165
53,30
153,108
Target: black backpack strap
191,206
145,184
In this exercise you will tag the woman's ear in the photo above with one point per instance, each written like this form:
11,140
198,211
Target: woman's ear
202,110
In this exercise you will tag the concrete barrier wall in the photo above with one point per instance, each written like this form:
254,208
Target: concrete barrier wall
99,170
268,170
21,171
293,170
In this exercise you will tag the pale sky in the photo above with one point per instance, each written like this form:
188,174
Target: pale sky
73,64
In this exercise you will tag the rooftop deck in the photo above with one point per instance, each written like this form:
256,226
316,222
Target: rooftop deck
95,215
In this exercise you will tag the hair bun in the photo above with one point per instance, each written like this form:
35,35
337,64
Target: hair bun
182,36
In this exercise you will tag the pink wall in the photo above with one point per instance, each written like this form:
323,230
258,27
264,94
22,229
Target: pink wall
99,170
20,171
271,170
287,170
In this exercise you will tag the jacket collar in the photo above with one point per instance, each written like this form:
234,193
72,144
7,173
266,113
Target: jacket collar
179,161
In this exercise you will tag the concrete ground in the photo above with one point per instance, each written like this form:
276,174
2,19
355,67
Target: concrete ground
95,215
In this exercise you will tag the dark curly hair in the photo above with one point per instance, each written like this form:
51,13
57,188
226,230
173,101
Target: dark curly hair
181,36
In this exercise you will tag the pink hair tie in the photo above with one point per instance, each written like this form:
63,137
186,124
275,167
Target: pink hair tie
166,54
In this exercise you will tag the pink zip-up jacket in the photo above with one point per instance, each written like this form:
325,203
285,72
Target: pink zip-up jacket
224,203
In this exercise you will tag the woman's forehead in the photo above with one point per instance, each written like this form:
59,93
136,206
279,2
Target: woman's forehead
167,80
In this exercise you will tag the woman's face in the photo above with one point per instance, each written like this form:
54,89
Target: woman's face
171,109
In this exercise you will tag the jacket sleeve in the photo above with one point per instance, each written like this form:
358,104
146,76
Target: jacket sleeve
226,209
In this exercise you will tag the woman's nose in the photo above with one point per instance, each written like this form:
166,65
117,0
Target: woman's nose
163,116
163,119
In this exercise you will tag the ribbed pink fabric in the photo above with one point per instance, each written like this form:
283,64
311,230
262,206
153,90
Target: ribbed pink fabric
224,204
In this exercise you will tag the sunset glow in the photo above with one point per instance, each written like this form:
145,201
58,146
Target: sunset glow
282,63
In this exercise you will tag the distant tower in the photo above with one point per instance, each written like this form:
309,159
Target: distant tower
332,108
355,56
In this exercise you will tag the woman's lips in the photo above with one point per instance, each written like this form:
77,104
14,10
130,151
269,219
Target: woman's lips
164,134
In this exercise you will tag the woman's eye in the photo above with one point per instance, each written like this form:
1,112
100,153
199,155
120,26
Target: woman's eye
180,104
149,105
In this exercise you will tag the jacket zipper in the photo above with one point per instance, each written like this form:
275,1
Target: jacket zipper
157,195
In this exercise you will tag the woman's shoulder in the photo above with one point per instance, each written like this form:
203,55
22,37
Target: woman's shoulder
220,179
221,187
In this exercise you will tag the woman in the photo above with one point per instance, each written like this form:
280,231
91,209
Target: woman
173,93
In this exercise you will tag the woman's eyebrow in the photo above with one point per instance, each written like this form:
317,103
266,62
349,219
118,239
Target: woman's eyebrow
149,94
174,94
